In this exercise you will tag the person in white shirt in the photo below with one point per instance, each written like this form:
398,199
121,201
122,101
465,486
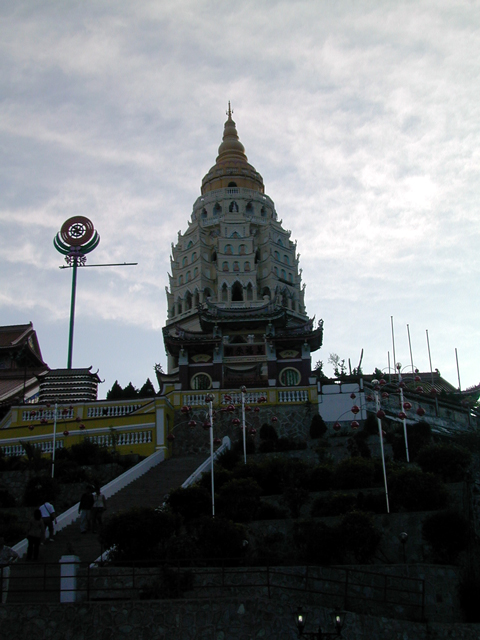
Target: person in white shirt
49,517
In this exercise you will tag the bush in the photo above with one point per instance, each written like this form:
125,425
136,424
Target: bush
230,458
40,489
317,543
318,428
138,534
190,503
449,461
354,473
238,500
267,511
171,584
320,478
220,539
10,529
295,497
413,490
357,445
6,499
268,432
359,536
89,453
221,477
419,435
338,504
447,534
68,472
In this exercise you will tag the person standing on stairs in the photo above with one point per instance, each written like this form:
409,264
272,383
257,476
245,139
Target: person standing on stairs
85,509
35,535
49,517
99,506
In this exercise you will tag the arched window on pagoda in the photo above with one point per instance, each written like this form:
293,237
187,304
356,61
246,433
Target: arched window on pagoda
279,241
275,271
224,292
236,266
225,266
286,259
184,261
237,292
233,208
190,244
204,214
266,292
232,185
228,249
249,210
242,249
290,277
180,280
179,306
277,255
207,293
188,301
196,299
217,209
283,274
214,256
249,291
194,256
195,272
263,212
246,266
188,276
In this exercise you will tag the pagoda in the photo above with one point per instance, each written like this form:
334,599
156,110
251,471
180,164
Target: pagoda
236,303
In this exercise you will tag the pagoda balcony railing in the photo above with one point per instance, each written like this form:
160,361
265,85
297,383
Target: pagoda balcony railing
243,192
67,413
291,395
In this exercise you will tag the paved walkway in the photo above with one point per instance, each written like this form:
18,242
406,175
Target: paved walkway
148,491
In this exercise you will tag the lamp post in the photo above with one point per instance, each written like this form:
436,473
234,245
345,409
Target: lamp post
381,414
209,401
338,618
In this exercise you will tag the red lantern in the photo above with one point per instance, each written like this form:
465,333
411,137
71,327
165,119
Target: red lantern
248,408
243,389
353,396
82,427
420,411
252,431
256,409
78,418
369,398
262,399
402,385
402,415
43,421
337,426
235,421
355,409
64,411
382,382
231,407
217,441
66,433
48,406
185,409
30,426
380,413
192,423
418,379
170,437
384,394
355,424
206,425
433,391
33,414
274,419
419,389
227,398
407,406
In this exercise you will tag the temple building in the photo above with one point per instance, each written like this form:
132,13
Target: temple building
236,303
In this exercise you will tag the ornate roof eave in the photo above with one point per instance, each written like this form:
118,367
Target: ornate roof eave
211,315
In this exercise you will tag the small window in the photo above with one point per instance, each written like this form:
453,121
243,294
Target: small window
249,209
290,277
233,207
224,293
217,209
180,280
201,381
195,272
290,377
225,266
228,249
237,292
286,259
284,274
204,214
246,266
263,212
190,244
236,266
232,184
187,277
184,261
275,270
194,256
279,241
277,255
242,249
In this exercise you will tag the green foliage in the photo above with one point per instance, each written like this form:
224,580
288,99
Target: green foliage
148,390
339,368
268,432
130,392
267,511
317,543
419,435
238,500
449,461
447,534
35,461
220,539
354,473
295,497
359,536
139,534
357,445
40,489
88,453
318,428
334,505
69,471
221,476
10,529
229,458
6,499
412,490
320,478
370,426
116,392
190,503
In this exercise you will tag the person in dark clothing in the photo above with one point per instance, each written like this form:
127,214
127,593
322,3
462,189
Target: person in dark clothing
85,509
35,535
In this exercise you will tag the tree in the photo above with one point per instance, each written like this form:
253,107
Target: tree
148,390
116,392
318,428
130,393
339,368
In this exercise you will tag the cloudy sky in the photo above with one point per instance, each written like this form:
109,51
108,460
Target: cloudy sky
362,116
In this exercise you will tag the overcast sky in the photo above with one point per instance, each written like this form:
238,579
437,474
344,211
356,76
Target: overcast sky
362,117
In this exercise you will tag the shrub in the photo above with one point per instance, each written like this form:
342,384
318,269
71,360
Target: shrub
10,528
447,534
221,476
419,435
271,549
138,534
357,445
317,543
268,432
238,500
169,585
320,478
220,539
267,446
413,490
354,473
68,472
338,504
359,536
6,499
230,457
191,502
89,453
295,497
267,511
40,489
318,428
449,461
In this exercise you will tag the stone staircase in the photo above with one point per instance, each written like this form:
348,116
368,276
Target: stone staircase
39,581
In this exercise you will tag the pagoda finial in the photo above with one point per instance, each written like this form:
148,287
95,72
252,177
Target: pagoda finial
229,111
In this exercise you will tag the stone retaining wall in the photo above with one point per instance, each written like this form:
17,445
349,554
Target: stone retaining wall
210,619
